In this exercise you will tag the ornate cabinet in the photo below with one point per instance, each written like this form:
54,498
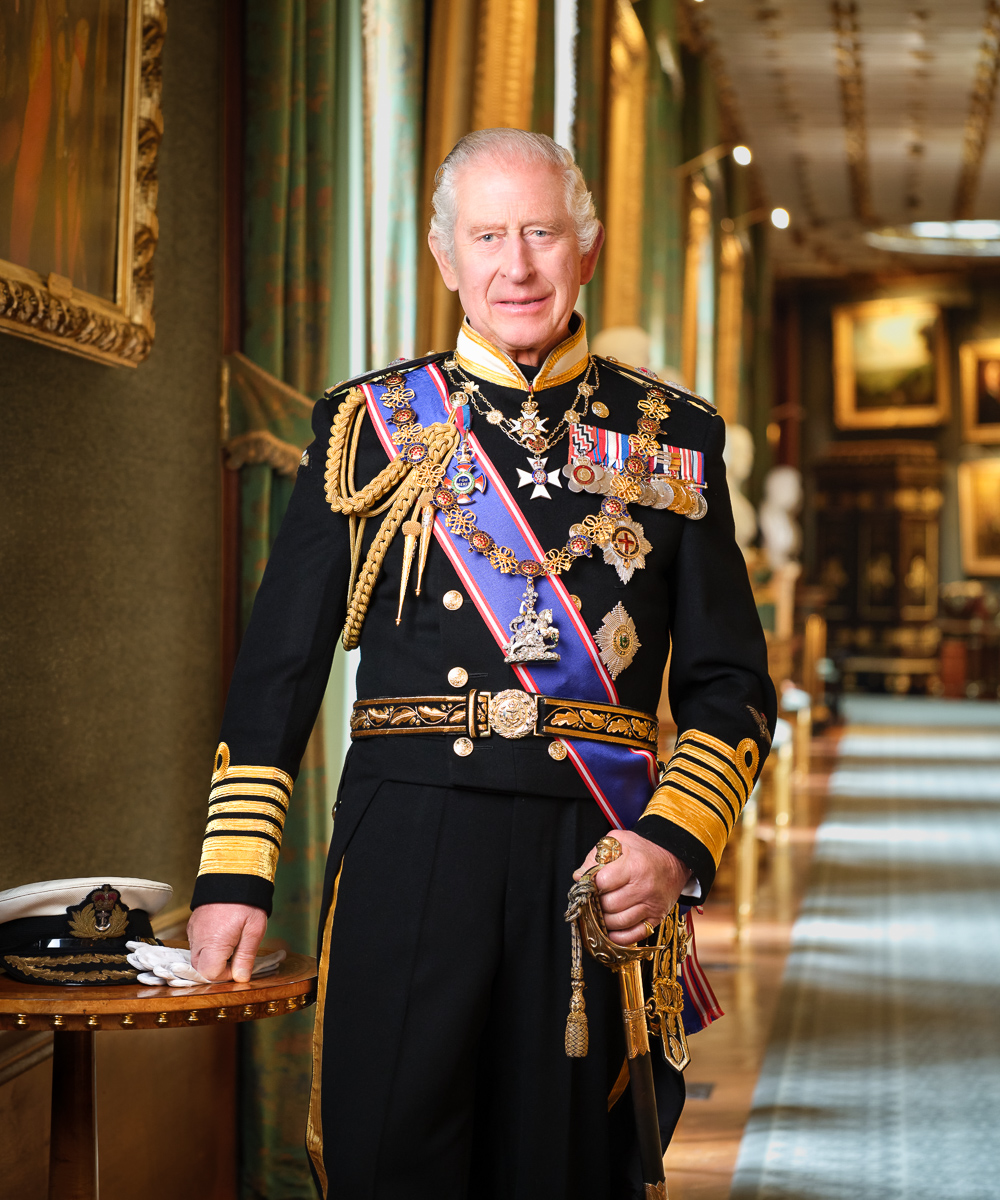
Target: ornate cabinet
877,506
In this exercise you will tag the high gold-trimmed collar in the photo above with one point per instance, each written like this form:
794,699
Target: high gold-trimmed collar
480,357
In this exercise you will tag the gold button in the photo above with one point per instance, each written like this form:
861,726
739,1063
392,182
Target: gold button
453,600
557,751
577,602
458,676
599,409
462,747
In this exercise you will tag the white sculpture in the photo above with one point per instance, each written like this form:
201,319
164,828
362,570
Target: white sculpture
738,456
781,533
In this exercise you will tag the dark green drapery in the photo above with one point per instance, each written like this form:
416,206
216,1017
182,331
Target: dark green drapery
289,181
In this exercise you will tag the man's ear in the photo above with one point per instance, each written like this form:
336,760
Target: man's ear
444,266
588,264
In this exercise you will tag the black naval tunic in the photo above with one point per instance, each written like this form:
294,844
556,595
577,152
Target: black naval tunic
439,1065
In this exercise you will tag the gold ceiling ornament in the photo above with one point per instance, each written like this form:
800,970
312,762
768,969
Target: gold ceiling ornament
617,640
977,123
37,301
846,30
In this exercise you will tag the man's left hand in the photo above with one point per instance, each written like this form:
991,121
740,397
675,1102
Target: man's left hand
642,885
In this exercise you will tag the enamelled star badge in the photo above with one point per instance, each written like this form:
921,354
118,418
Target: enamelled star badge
541,478
627,548
618,640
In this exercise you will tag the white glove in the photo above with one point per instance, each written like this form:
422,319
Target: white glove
159,965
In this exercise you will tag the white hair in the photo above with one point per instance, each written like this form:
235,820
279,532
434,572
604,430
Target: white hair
510,145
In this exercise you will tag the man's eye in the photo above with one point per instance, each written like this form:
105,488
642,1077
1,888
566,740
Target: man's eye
487,237
539,233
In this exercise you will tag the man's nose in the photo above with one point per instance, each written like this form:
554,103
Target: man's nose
517,260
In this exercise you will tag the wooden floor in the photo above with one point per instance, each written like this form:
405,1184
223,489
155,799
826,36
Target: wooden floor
746,976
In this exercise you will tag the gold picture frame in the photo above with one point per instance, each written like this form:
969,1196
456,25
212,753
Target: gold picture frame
979,372
890,364
78,181
979,515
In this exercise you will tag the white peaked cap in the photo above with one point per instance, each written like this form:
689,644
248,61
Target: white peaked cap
52,897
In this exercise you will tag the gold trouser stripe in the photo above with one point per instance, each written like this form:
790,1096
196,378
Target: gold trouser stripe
314,1122
621,1083
249,808
235,854
714,763
690,814
707,789
264,791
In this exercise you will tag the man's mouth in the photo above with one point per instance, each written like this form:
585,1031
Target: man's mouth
522,304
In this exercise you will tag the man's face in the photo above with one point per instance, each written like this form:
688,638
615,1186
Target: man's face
518,266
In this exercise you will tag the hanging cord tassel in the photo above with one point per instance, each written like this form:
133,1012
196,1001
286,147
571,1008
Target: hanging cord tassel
577,1031
364,503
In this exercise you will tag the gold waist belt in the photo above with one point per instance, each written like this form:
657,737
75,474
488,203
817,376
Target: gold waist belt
510,714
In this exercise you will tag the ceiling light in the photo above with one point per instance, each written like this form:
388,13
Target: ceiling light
742,155
962,239
780,218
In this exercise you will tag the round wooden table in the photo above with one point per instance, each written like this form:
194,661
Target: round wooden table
76,1014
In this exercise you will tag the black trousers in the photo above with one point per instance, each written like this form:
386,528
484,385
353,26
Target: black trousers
442,1067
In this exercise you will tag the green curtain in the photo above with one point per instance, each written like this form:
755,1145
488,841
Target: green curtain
394,54
290,167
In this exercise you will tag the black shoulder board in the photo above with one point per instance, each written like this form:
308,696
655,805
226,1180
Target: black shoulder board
403,367
677,390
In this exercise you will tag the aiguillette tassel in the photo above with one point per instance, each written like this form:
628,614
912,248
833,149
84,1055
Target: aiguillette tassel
411,531
426,525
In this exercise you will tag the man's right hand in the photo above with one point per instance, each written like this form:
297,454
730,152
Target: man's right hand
218,932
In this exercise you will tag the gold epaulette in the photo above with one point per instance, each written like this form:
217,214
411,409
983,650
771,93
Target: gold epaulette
705,786
646,379
401,367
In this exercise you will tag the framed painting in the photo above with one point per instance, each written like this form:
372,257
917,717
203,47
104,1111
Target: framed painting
979,515
890,364
979,367
80,127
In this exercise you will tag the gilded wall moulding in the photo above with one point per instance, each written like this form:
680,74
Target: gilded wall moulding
80,187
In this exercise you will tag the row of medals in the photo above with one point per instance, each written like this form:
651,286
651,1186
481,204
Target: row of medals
623,541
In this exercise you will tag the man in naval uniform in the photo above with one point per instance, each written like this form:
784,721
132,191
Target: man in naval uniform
516,534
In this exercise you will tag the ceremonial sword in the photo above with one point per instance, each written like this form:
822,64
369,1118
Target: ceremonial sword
589,929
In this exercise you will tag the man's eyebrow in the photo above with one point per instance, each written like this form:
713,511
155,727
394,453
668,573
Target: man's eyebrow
490,226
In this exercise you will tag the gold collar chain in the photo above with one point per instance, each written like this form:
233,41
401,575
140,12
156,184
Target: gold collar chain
527,430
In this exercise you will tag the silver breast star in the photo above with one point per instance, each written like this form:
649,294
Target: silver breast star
541,478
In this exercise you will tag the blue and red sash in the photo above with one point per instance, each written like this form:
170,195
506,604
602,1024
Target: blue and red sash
620,779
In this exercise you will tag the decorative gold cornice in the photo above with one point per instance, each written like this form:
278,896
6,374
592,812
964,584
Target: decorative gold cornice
49,309
852,101
250,449
977,123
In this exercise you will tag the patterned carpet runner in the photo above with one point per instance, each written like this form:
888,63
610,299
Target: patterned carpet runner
882,1076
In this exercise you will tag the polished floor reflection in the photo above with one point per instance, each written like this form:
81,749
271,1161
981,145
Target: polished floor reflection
871,1069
